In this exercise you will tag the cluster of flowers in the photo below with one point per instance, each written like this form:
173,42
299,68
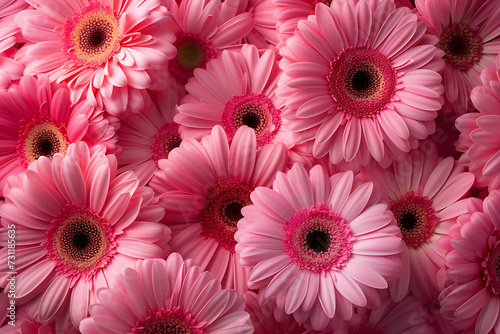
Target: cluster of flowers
250,166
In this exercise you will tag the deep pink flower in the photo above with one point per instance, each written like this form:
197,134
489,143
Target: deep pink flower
107,51
472,301
361,81
77,224
167,296
469,35
202,32
38,119
480,139
203,187
237,89
319,245
424,192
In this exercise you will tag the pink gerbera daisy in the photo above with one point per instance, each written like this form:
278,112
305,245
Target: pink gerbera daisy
361,81
472,301
167,296
469,35
202,33
77,225
320,251
147,137
237,89
480,139
203,187
424,193
107,51
38,119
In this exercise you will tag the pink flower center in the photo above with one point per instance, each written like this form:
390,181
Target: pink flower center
193,51
256,111
168,321
165,140
222,210
41,136
415,217
79,242
317,239
91,37
362,81
491,264
462,46
367,329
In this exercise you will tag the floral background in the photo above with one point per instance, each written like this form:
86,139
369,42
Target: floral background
250,166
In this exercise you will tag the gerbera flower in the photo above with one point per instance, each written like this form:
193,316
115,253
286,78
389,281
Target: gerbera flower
147,137
361,82
263,319
407,316
107,51
167,296
38,120
203,187
320,250
424,193
472,301
479,138
237,89
77,225
202,33
468,33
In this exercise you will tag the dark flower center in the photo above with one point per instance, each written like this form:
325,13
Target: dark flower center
462,46
318,241
165,140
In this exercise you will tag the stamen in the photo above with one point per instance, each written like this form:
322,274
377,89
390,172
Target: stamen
168,321
462,46
165,140
491,264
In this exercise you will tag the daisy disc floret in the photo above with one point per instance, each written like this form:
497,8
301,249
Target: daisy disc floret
105,51
203,187
78,223
361,82
167,296
322,251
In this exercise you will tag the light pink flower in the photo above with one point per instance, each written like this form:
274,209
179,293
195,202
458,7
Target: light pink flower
107,51
202,32
263,318
147,137
472,301
469,35
319,246
479,139
77,225
38,119
237,89
167,296
203,187
361,81
424,192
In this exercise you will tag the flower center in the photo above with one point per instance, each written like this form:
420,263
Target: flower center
41,137
362,81
193,51
168,321
462,46
367,329
92,37
317,239
491,264
222,210
165,140
253,110
79,242
415,217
